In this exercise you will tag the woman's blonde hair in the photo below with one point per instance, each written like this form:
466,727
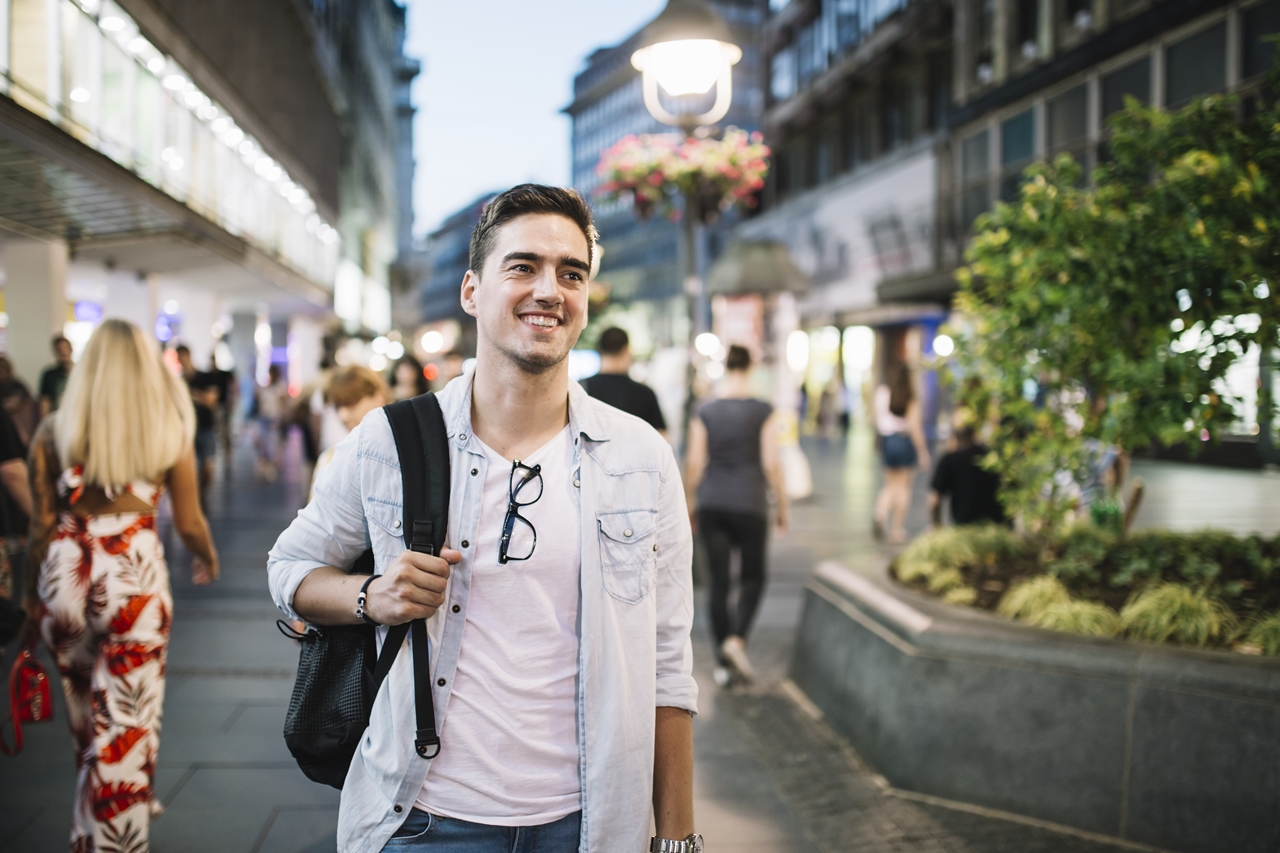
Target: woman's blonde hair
124,415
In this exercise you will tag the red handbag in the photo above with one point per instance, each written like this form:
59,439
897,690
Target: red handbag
29,698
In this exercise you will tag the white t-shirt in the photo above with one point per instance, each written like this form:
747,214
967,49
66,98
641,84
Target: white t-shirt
887,423
509,752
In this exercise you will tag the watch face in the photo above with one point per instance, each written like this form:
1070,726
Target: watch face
695,843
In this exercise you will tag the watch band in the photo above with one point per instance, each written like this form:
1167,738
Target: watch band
692,844
360,600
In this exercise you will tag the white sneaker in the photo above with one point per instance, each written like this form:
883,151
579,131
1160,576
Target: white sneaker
722,676
734,651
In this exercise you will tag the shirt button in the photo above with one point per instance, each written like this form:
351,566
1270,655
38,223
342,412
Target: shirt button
475,471
627,533
396,524
440,682
466,544
457,608
576,483
398,809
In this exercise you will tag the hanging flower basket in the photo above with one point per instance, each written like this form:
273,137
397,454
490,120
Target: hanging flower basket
655,170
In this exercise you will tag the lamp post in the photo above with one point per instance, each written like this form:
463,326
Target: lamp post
686,52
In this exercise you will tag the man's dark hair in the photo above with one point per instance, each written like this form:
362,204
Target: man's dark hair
180,349
739,358
59,339
528,199
612,341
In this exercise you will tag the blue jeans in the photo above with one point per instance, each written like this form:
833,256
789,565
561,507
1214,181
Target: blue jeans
423,831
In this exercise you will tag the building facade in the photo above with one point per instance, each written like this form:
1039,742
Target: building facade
185,165
640,262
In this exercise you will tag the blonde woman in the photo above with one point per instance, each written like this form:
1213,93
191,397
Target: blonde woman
123,434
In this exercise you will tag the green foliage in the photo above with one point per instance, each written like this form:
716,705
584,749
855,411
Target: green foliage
956,548
945,580
1081,552
1169,611
1029,599
1125,303
961,595
1265,634
1079,617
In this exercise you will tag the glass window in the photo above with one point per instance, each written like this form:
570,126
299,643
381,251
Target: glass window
28,57
783,79
1260,22
975,157
1133,80
1026,37
974,201
848,23
1018,139
1068,117
1196,66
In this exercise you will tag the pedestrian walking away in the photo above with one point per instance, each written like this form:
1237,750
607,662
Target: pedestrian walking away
970,490
614,385
902,450
559,610
271,401
53,381
100,597
731,464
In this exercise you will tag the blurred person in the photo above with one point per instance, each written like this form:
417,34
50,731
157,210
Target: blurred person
614,386
100,598
902,450
453,361
407,379
271,402
16,399
731,464
971,491
204,398
224,412
53,381
354,392
560,608
15,514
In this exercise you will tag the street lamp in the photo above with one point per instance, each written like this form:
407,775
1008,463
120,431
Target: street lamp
687,51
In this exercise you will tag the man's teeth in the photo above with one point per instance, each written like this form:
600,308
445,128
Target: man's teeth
547,322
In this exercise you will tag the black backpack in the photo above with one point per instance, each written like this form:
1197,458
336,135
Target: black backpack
339,670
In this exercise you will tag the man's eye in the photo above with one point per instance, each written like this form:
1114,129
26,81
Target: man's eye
522,268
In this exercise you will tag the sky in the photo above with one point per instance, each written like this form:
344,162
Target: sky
495,75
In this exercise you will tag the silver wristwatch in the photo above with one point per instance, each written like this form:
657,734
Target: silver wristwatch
692,844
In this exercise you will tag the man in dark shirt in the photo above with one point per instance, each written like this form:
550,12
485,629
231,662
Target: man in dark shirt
970,488
204,397
612,385
54,379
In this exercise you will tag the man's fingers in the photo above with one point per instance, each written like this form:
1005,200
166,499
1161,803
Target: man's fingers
450,556
429,564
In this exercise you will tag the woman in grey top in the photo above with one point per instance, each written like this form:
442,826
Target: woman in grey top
732,461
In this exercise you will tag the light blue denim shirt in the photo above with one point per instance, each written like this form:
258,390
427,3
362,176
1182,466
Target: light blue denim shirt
636,608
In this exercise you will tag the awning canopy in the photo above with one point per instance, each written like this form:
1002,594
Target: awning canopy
756,266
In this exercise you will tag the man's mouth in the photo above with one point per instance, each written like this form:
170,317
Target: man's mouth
541,321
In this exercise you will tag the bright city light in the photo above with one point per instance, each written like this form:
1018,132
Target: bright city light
380,344
377,362
262,335
171,307
798,350
706,343
830,338
859,347
80,94
715,370
395,350
174,82
687,67
112,24
432,341
944,346
155,64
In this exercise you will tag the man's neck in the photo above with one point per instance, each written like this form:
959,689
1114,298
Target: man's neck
515,412
613,365
736,385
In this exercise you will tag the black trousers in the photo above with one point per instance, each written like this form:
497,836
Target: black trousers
722,532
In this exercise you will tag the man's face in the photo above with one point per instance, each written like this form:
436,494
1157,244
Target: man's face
352,415
62,351
184,361
530,300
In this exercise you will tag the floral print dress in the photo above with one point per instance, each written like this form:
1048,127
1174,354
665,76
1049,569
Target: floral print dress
104,589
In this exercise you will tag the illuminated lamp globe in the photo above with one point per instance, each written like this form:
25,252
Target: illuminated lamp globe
687,50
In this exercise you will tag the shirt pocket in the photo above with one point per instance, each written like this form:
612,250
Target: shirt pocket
386,523
627,553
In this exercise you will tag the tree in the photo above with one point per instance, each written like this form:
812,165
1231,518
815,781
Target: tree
1112,313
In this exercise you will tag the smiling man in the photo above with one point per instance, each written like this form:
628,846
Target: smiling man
559,612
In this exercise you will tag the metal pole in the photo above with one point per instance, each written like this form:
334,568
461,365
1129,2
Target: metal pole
693,294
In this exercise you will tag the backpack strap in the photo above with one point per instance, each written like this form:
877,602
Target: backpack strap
422,443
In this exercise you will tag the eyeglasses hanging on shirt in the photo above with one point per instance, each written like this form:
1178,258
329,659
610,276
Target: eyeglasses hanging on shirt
521,492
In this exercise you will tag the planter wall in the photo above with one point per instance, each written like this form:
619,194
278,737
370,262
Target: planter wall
1178,749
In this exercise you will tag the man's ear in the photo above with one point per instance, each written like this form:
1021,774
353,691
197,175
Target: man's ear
470,282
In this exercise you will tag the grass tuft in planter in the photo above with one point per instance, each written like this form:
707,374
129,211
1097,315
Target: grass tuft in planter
1265,634
1079,617
1170,611
1029,599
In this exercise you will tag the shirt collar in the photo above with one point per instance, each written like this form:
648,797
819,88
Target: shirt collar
455,403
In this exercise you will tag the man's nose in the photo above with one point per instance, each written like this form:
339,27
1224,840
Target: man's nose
546,288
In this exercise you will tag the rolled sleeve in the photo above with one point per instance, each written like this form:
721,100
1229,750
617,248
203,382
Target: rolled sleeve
676,687
329,531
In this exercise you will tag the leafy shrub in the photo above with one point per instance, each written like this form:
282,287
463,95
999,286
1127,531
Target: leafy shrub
1029,599
1265,634
945,548
1081,552
1079,617
944,581
1170,611
961,595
